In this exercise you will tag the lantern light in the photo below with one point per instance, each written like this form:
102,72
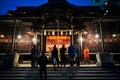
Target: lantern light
44,32
96,36
61,32
2,36
114,35
70,32
53,32
19,36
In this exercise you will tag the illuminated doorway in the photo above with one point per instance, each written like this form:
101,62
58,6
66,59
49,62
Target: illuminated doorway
58,41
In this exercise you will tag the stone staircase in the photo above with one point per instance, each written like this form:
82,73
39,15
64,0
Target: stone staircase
67,73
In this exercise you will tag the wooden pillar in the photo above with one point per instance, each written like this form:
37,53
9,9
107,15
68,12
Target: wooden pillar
14,32
72,35
42,37
58,33
101,34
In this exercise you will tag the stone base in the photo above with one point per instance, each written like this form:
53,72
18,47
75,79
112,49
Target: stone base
108,65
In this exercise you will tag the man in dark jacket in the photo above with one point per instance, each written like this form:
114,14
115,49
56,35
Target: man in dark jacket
34,56
71,51
77,55
62,55
55,56
42,61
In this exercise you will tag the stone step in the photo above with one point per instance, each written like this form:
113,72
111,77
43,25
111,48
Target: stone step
58,74
67,73
84,78
61,78
60,68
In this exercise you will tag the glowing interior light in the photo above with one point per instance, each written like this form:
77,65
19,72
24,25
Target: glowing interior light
34,40
96,36
81,39
114,35
2,36
70,32
53,32
44,32
19,36
61,32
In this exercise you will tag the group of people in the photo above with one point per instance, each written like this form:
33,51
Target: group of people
74,54
55,57
41,59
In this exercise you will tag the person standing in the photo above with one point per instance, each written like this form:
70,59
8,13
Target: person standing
43,61
34,56
77,55
62,55
55,56
86,55
71,51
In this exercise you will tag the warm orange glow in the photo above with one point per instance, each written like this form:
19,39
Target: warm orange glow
58,41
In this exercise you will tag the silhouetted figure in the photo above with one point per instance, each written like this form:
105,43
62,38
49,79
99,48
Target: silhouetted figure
86,55
77,55
43,61
55,56
71,51
34,56
62,55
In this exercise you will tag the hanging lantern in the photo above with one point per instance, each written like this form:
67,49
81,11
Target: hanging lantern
70,32
61,32
19,36
44,32
53,32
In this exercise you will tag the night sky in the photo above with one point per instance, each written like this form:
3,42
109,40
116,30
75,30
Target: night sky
6,5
